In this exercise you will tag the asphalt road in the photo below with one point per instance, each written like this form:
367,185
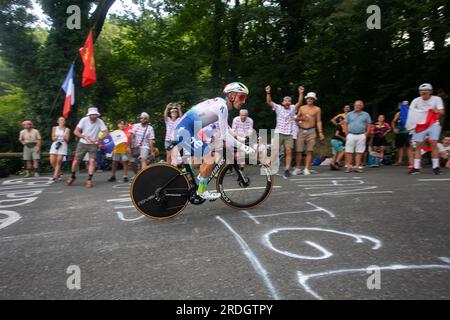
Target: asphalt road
315,238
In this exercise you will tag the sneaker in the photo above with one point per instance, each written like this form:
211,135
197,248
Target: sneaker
112,179
211,196
27,174
348,169
89,184
306,172
410,166
414,171
297,172
359,170
70,181
36,175
126,180
287,174
437,171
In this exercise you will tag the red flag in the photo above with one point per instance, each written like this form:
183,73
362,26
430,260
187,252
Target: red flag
87,55
432,118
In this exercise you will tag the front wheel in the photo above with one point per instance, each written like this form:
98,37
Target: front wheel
245,188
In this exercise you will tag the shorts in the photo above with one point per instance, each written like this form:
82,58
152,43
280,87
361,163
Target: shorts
29,154
379,142
337,146
61,151
434,132
83,149
284,140
402,140
356,143
142,154
306,138
120,157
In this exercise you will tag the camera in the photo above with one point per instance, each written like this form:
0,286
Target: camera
58,145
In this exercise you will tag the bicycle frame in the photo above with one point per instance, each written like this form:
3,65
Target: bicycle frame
193,181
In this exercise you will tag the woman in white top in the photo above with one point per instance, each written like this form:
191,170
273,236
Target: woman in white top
171,122
58,150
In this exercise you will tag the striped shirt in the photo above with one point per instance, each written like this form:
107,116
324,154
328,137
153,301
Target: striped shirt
170,128
285,119
242,128
139,140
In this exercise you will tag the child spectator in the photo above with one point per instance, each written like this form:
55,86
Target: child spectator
444,152
379,131
338,147
120,155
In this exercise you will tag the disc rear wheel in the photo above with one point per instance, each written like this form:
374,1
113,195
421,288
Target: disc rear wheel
160,192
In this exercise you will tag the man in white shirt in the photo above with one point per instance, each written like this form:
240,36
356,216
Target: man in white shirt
88,130
423,118
242,127
142,136
286,113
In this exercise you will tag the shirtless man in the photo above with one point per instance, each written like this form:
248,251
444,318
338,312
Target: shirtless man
309,118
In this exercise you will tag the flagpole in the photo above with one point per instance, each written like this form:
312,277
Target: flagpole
59,93
55,101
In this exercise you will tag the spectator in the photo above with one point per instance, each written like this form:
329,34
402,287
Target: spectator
444,152
120,155
402,136
242,127
338,147
357,128
424,118
380,130
171,122
285,120
31,140
340,117
142,136
88,130
309,120
58,150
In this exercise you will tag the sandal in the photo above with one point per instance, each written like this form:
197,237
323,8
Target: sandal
89,184
70,181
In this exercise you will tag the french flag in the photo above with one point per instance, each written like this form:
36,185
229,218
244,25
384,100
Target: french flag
110,142
69,88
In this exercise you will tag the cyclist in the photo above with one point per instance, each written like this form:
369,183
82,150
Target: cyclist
202,115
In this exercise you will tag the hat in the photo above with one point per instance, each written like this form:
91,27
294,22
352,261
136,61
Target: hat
311,95
145,115
93,111
426,86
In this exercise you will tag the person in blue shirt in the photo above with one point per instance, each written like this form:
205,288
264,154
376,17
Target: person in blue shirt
357,127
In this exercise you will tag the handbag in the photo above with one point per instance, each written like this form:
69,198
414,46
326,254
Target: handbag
136,151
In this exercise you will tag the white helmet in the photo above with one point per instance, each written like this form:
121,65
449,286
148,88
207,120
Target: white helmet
236,87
